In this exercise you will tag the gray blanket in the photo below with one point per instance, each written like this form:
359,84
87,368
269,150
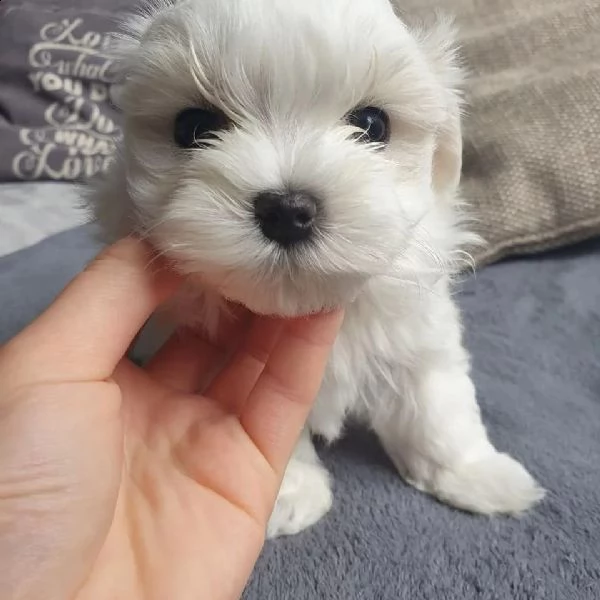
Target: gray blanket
533,327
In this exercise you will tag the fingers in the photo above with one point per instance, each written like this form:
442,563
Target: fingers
279,404
88,329
188,360
182,362
232,386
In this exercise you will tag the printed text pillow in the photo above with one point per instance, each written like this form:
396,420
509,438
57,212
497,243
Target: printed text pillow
57,121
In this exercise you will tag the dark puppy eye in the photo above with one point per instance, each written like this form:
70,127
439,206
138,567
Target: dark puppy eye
194,126
374,122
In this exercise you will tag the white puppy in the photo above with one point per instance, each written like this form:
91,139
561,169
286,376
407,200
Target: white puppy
297,155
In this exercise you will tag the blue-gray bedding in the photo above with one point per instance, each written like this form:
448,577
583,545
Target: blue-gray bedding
533,327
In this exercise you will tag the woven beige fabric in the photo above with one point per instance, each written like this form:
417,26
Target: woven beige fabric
532,125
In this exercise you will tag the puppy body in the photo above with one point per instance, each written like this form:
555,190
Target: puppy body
386,241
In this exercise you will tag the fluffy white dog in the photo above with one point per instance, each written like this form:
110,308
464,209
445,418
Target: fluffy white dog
297,155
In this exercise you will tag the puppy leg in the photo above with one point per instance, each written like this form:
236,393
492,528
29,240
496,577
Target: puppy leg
305,494
436,438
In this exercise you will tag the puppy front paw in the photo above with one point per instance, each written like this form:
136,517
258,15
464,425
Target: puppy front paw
496,483
305,496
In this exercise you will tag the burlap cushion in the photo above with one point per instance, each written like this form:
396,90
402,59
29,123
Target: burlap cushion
532,124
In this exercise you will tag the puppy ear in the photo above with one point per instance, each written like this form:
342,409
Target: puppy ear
438,43
125,42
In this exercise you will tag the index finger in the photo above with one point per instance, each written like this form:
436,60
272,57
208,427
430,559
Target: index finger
278,406
84,334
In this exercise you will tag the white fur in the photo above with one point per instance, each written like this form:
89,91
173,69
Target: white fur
286,72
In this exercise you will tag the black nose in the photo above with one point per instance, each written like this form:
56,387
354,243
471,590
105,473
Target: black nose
286,217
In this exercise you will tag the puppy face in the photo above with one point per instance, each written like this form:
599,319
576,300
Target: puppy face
285,152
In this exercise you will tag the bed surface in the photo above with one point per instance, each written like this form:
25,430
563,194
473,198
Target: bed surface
30,212
533,327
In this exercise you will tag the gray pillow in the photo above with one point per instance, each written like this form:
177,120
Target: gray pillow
57,121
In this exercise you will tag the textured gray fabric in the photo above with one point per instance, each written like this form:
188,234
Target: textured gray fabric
534,329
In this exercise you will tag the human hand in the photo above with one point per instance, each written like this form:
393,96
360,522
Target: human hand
121,483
